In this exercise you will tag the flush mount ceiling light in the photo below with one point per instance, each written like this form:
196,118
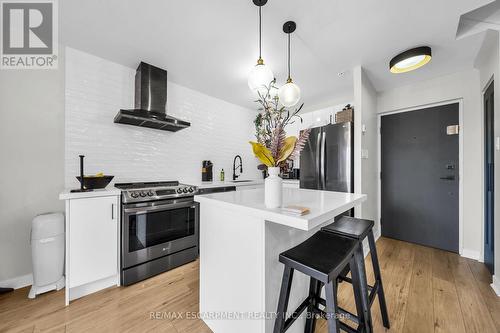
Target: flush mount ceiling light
410,60
289,94
260,75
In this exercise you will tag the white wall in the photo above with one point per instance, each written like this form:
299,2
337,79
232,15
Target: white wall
32,162
463,85
487,63
96,89
365,145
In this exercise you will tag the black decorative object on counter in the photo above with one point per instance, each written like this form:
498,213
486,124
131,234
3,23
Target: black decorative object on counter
82,185
89,183
95,182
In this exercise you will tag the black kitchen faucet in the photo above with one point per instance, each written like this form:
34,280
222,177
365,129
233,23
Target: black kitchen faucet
236,167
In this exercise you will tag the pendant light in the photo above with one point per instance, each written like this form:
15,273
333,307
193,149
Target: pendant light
289,93
261,75
410,60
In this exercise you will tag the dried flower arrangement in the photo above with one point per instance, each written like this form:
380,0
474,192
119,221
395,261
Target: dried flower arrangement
273,148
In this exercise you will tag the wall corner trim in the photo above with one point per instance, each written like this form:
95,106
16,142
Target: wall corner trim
471,254
496,285
18,282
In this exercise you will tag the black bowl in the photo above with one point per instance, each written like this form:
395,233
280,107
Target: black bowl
95,182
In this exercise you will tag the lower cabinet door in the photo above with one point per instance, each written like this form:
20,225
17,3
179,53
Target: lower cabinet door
93,239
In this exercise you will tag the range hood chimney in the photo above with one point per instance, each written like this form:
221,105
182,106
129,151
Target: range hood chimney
150,102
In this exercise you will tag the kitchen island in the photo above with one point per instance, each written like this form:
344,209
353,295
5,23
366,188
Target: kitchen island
240,241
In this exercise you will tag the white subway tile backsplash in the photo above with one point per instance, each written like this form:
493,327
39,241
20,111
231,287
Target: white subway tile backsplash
97,88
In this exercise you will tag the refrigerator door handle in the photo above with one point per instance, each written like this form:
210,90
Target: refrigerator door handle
322,162
318,159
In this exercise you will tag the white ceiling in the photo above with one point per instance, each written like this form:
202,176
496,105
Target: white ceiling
210,46
480,19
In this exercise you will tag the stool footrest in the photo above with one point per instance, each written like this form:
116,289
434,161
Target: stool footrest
343,325
297,312
374,291
350,316
348,279
309,300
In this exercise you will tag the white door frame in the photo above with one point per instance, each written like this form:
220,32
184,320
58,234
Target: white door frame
460,160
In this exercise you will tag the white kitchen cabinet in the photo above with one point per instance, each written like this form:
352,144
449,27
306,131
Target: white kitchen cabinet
92,242
289,183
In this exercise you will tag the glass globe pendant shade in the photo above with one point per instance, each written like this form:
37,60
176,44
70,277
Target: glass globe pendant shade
289,94
260,77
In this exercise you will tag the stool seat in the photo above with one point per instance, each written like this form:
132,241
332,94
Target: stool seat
350,227
322,256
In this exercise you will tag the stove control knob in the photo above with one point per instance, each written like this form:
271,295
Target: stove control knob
150,193
179,190
134,194
191,190
185,190
143,194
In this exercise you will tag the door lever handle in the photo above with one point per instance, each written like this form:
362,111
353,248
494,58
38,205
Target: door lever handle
447,178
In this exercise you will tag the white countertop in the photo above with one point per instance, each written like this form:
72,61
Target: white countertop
218,183
323,205
108,191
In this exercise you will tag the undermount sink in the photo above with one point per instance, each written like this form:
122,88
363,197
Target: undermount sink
241,181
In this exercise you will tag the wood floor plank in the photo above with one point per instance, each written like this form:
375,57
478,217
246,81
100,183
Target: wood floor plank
397,285
415,304
419,315
483,279
447,312
476,316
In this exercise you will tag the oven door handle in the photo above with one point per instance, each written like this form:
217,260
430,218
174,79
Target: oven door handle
143,210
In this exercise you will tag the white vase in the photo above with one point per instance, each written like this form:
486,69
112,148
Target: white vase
273,188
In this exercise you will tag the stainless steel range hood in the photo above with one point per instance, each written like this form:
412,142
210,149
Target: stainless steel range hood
150,102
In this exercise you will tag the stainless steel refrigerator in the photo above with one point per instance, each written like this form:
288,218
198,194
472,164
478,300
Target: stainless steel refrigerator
326,163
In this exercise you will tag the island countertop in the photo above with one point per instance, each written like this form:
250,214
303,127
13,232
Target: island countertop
323,205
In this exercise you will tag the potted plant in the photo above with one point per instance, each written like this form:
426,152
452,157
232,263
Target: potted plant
273,148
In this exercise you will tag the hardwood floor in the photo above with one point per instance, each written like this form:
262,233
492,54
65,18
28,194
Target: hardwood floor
427,290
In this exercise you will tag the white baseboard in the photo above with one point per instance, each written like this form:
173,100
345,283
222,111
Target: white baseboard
92,287
18,282
471,254
496,285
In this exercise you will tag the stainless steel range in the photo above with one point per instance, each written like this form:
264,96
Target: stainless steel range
159,228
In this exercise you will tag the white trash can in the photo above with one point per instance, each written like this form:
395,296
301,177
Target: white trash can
47,251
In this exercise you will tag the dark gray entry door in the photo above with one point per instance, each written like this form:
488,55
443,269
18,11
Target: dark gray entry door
420,185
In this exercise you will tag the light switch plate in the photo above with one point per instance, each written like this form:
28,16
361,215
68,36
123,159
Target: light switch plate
364,153
497,143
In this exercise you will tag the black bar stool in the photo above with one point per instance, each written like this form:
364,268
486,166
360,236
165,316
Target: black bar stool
323,257
359,229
